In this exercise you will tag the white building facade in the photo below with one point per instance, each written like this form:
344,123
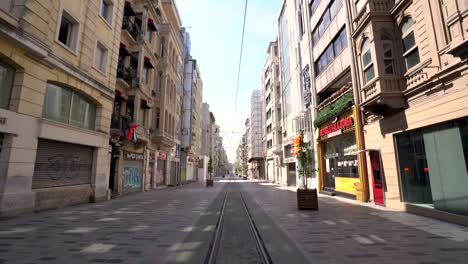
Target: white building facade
255,132
191,121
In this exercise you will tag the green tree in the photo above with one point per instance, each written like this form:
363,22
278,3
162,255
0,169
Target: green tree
306,159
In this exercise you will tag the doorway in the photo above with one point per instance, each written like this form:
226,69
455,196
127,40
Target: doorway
292,174
377,180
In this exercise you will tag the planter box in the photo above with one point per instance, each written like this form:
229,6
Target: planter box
307,199
209,183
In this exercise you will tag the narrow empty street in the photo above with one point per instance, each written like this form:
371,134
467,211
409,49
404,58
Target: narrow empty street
196,224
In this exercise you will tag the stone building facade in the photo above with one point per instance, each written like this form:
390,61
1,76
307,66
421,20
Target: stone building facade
411,80
132,165
58,61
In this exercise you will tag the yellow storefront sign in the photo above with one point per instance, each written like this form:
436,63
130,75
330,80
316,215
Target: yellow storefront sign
346,184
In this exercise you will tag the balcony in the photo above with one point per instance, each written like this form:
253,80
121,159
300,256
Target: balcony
131,27
370,8
383,96
142,133
120,122
127,74
163,138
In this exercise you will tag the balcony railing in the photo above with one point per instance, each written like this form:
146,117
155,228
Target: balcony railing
383,95
131,27
128,74
120,122
372,6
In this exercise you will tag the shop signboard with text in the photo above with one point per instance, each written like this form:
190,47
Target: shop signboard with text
337,127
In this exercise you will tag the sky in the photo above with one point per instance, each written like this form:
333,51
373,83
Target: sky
215,28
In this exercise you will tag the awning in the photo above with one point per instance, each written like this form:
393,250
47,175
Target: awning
128,9
118,94
148,62
123,49
151,25
146,104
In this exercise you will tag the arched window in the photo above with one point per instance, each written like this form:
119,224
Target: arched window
387,54
410,49
68,106
367,65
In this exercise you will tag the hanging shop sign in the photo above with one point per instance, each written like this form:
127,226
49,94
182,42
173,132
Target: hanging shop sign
337,127
307,94
133,156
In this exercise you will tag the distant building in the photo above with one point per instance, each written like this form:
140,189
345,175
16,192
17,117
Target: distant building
255,156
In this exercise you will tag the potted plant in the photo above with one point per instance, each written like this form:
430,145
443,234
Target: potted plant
209,182
306,198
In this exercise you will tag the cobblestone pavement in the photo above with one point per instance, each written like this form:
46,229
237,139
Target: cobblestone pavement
138,228
176,225
346,232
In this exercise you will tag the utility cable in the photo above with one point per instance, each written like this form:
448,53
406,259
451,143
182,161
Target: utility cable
240,57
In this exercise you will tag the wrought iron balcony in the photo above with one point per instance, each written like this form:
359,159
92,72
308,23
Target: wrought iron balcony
131,27
128,74
120,122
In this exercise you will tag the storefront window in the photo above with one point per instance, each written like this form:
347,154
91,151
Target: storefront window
433,166
341,163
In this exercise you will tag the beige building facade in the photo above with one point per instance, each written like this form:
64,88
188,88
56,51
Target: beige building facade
58,62
168,101
271,108
411,81
132,166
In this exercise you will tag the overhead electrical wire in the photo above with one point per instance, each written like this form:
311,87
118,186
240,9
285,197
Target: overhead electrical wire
240,56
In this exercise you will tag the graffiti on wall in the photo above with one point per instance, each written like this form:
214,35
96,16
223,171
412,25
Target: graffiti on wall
131,176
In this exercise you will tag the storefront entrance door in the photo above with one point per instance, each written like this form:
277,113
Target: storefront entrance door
377,182
329,178
292,174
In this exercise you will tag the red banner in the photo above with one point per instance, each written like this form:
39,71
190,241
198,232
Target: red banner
340,124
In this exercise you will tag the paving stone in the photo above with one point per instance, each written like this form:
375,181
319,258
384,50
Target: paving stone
152,224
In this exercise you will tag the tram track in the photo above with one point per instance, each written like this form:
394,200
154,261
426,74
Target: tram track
240,219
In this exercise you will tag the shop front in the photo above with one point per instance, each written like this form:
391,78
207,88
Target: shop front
132,171
161,169
433,166
290,161
339,166
270,169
